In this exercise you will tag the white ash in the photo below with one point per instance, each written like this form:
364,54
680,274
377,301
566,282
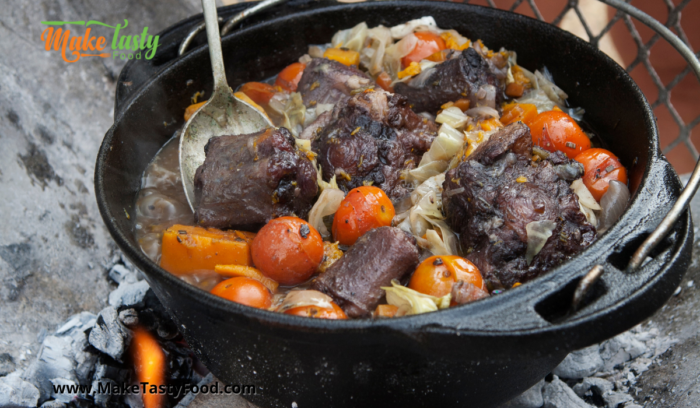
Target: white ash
532,398
581,363
602,375
557,394
16,392
129,294
63,356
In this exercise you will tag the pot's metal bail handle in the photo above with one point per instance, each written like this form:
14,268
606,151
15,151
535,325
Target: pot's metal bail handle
588,281
263,5
667,223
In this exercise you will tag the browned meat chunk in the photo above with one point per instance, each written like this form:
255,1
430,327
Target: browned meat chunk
371,139
246,180
467,75
355,281
491,198
328,82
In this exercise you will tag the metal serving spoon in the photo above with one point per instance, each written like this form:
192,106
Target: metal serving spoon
223,114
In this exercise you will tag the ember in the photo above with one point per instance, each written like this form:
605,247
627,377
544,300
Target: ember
149,364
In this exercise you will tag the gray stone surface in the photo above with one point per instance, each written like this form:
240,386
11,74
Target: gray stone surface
53,116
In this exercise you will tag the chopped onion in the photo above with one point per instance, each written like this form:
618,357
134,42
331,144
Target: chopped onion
452,116
483,111
586,202
352,38
613,203
327,204
584,195
426,23
426,171
486,96
298,298
412,302
394,53
316,51
538,232
372,56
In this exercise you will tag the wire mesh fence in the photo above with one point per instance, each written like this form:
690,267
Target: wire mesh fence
662,74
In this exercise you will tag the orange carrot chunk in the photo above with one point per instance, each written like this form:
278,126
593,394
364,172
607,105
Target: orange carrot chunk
188,249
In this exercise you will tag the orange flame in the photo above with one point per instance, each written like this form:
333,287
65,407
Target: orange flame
149,363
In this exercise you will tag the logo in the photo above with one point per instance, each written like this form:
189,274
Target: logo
74,47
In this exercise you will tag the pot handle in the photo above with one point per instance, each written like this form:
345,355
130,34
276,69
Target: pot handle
263,5
690,189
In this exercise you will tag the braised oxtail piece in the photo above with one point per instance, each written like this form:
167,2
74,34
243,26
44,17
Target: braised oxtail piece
328,82
491,198
370,140
247,180
355,281
467,75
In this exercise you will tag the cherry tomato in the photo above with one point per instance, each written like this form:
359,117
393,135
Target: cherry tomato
555,130
334,312
246,291
363,209
287,250
289,77
601,166
436,275
427,45
259,92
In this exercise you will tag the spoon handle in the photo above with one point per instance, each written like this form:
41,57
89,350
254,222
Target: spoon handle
211,20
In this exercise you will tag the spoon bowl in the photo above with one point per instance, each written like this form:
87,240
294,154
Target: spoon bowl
222,114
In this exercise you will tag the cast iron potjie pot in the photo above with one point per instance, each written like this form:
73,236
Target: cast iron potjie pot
479,354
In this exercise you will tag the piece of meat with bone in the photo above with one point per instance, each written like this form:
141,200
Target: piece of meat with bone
499,196
371,139
355,280
247,180
328,82
467,75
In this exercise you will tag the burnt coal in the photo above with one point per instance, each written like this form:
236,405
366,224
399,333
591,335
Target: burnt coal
90,349
109,335
16,392
129,317
557,394
108,373
581,363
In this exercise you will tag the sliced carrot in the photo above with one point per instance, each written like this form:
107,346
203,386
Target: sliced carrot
192,109
491,124
246,98
385,311
188,249
231,271
515,90
462,104
259,92
514,112
289,77
345,57
384,81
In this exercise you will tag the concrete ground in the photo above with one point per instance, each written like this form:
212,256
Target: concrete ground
53,116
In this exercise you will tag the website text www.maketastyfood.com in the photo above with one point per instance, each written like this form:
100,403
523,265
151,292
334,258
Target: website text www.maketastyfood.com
177,391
